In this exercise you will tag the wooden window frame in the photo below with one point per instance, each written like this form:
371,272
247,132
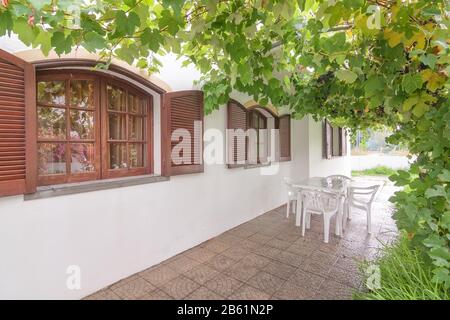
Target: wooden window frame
251,125
148,133
329,139
100,129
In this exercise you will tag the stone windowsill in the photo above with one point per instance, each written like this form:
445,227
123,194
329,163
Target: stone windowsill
88,186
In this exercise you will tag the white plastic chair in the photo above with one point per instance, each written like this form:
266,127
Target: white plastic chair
291,196
361,198
318,202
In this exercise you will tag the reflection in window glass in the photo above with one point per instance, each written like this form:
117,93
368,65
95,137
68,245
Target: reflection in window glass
82,93
117,126
116,99
82,155
136,155
51,92
52,158
136,128
81,124
51,123
135,104
117,156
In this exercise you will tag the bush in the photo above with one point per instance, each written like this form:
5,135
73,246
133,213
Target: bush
404,276
377,171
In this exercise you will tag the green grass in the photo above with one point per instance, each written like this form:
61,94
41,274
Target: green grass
377,171
404,276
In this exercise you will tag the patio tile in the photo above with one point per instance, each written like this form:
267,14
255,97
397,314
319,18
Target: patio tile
200,254
306,280
346,277
235,253
241,271
223,285
259,238
279,269
278,244
249,245
290,291
303,249
201,273
229,238
256,261
323,257
123,281
221,262
134,289
247,292
156,295
318,268
159,275
267,251
266,282
183,264
242,232
290,258
180,287
331,290
204,293
215,245
104,294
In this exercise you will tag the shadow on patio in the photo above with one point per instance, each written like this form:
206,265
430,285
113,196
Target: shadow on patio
266,258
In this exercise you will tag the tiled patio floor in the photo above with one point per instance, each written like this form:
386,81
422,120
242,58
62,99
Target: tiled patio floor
266,258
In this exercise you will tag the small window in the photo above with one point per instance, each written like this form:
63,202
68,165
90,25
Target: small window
259,150
73,145
334,141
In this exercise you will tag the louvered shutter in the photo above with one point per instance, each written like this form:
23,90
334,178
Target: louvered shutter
17,126
185,112
327,140
284,125
343,142
237,118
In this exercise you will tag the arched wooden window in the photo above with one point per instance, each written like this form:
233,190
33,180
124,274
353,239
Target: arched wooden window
91,127
248,135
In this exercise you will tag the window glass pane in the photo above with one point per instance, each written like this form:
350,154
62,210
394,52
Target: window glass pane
117,155
117,126
51,123
136,128
116,99
81,124
52,158
135,104
136,155
82,93
82,155
335,141
51,92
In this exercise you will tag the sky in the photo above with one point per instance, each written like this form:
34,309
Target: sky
172,71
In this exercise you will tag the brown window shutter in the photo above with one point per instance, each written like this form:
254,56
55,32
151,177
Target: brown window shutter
327,140
185,111
18,152
237,118
343,142
284,124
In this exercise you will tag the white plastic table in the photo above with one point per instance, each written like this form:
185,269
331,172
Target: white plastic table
323,184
